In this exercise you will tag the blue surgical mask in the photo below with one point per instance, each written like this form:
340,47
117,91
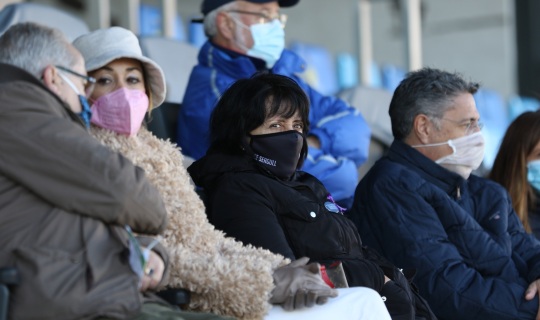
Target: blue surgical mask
268,41
533,174
86,112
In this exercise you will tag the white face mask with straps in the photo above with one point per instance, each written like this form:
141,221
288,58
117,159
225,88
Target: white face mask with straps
467,154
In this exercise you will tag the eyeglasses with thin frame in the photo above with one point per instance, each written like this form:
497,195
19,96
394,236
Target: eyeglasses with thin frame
470,125
265,18
89,82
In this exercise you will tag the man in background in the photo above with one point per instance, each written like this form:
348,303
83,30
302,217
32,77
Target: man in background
246,37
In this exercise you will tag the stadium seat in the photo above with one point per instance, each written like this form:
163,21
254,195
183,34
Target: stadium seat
70,25
519,104
177,59
151,21
373,103
321,72
392,76
196,33
347,67
494,115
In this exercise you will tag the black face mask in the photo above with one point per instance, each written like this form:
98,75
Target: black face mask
279,152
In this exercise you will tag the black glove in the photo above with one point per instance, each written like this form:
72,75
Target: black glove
299,286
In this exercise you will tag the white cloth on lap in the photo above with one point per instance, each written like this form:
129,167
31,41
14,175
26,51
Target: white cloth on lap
352,303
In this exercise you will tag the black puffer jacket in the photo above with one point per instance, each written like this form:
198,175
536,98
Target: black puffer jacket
289,218
296,219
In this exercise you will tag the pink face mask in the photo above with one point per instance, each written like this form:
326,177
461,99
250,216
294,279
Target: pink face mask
121,111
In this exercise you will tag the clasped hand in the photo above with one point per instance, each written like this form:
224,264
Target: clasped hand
300,285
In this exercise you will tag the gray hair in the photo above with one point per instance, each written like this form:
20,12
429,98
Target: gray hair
426,91
33,47
210,27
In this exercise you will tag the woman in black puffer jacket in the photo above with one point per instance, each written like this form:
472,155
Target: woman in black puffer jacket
254,193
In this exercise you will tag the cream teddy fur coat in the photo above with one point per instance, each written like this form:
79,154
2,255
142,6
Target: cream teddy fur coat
224,276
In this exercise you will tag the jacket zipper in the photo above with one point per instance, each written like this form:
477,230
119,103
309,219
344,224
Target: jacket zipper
458,193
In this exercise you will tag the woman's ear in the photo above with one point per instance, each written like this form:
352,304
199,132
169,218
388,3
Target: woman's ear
422,128
51,79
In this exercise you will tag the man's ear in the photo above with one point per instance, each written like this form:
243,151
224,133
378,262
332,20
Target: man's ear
51,79
422,128
225,26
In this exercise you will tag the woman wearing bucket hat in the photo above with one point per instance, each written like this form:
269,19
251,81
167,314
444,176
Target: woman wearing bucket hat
224,276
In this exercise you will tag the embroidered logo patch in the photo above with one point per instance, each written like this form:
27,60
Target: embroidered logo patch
332,207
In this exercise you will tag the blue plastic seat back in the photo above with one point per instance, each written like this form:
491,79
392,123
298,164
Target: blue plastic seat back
196,34
392,76
320,69
347,70
494,116
69,24
519,104
151,21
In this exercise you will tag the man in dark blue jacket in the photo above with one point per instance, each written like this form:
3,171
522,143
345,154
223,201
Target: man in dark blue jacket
246,37
421,207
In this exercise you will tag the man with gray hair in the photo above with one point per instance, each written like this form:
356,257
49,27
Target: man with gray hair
421,207
245,37
67,203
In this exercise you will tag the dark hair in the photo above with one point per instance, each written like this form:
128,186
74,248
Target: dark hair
510,166
426,91
247,103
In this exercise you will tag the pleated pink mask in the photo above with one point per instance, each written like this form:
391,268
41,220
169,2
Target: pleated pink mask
121,111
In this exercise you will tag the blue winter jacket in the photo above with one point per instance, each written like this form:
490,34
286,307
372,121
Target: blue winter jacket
341,129
473,258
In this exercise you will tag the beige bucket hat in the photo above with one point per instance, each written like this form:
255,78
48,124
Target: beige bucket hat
105,45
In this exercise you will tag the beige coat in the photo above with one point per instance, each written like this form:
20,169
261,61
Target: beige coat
225,277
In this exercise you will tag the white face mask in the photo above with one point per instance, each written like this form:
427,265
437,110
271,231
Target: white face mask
268,41
467,154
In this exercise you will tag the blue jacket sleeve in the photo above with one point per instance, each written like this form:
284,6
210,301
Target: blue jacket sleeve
451,286
338,175
341,129
194,115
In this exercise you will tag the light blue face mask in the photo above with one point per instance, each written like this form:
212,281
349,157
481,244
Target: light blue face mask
268,41
533,174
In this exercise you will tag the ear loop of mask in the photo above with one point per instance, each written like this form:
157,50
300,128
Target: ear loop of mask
86,112
450,143
238,34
